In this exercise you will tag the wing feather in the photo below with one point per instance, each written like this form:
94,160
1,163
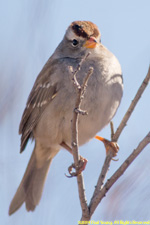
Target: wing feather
41,95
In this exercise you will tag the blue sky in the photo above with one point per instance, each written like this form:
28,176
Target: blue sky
30,31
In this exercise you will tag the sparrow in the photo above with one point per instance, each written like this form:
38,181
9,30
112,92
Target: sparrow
49,109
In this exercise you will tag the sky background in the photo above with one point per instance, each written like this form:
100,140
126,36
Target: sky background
30,32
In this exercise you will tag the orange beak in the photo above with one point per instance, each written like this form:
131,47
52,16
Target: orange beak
90,43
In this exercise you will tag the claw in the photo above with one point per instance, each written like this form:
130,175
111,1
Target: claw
109,146
78,169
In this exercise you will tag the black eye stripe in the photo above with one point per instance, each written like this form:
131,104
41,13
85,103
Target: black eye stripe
79,30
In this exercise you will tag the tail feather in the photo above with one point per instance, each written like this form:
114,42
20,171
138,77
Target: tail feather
31,186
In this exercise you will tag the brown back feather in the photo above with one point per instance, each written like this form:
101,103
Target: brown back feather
41,95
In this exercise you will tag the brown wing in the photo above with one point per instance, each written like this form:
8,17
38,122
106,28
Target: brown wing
41,95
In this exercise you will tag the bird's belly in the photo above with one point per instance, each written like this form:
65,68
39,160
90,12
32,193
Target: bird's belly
100,109
96,119
101,106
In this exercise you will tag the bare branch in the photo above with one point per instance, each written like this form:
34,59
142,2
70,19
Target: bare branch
102,177
115,136
80,91
80,95
112,129
132,106
101,188
76,83
118,173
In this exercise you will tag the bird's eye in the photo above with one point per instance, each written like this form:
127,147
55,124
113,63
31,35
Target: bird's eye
74,42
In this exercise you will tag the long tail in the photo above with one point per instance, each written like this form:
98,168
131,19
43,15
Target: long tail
31,186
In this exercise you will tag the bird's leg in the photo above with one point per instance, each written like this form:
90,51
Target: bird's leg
80,167
109,145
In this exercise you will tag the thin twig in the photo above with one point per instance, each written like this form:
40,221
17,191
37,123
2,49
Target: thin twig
105,168
132,106
118,173
80,95
76,83
102,176
114,138
101,190
80,91
112,129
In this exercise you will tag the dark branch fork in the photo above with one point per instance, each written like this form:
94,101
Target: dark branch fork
101,189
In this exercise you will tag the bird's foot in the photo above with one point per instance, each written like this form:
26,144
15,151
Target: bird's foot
109,145
78,169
